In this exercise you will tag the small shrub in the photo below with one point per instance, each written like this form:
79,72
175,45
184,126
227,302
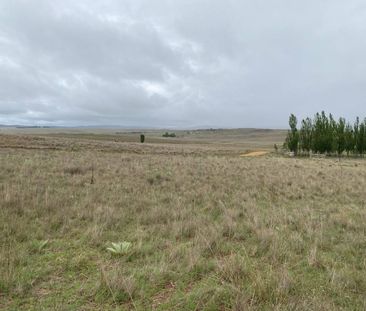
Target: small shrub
120,248
167,134
142,138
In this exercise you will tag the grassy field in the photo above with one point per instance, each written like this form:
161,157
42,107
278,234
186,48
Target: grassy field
209,230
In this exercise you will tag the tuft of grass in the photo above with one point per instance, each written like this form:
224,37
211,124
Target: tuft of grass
117,286
120,248
39,245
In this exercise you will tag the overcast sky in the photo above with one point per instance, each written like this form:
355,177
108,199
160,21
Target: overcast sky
180,63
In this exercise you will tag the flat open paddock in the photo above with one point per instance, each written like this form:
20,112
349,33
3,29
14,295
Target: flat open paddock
209,230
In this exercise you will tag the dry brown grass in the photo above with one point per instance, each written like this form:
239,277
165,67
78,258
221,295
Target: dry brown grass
210,230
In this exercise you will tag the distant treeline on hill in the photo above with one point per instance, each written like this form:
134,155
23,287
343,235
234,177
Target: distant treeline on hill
324,135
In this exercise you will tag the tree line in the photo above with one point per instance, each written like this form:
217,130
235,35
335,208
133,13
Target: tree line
325,135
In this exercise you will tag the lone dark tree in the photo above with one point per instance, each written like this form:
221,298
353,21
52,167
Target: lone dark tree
142,138
292,140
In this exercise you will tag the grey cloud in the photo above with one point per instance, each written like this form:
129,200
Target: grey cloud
185,62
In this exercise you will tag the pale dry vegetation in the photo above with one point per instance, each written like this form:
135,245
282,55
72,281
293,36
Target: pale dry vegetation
208,232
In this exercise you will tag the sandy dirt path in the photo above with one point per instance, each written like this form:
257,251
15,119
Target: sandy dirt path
254,154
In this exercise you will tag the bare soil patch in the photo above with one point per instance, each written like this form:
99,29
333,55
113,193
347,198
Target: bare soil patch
254,154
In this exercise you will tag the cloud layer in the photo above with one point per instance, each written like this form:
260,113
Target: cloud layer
180,63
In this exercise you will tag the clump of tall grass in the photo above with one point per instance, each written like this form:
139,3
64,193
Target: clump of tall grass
38,246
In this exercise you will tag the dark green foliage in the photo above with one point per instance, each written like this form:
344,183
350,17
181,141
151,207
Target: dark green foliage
292,140
340,136
325,135
142,138
364,135
360,139
306,135
356,131
167,134
332,135
349,139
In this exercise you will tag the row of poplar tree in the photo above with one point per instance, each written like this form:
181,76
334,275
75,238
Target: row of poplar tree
325,135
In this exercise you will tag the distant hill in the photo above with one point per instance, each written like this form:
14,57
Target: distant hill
28,126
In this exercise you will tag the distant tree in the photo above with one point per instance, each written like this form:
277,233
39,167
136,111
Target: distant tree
364,136
349,139
292,140
321,133
340,138
325,135
332,135
142,138
361,138
305,136
315,134
357,136
167,134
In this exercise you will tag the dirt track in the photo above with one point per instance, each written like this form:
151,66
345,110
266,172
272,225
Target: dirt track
254,154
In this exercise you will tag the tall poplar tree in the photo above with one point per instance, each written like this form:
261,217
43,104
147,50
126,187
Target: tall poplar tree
349,139
361,138
292,140
305,135
340,139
